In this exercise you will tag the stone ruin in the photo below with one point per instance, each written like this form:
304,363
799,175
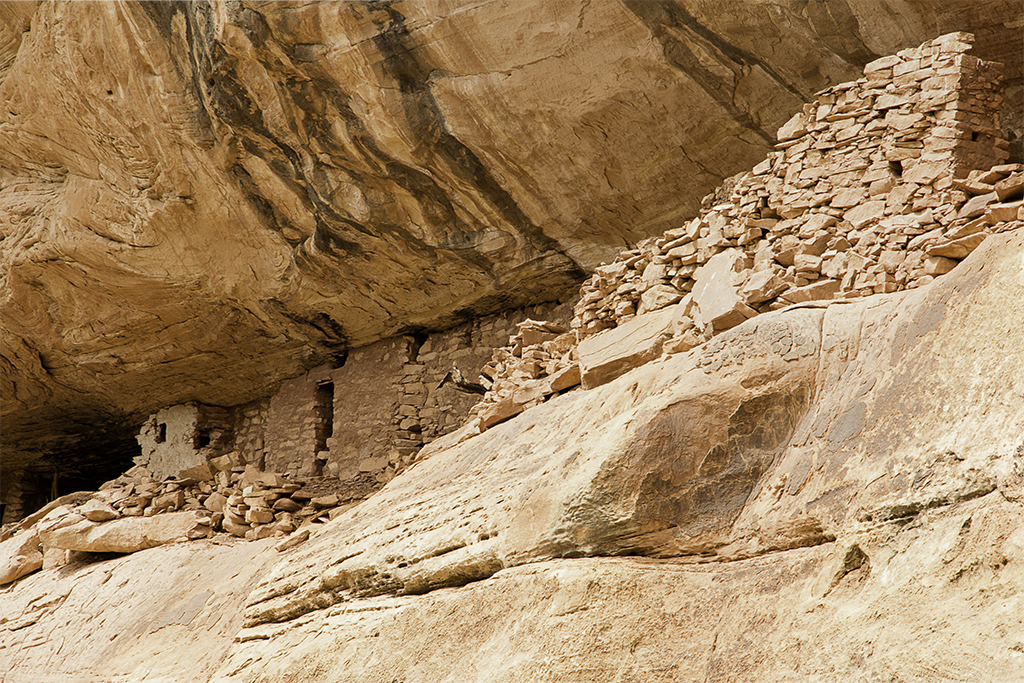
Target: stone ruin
870,191
878,186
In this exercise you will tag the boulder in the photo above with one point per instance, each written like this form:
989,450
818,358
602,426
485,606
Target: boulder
761,286
717,291
98,511
126,535
20,555
659,296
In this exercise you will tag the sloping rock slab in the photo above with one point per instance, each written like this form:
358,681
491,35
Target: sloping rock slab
611,353
20,555
658,462
936,600
156,616
757,441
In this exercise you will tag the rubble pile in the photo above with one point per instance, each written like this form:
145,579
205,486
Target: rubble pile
538,361
135,511
879,185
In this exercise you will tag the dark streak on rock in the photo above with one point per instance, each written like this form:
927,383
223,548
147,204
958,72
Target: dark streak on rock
836,24
662,15
333,335
402,62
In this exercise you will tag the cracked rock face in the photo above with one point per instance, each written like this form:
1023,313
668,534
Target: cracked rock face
199,200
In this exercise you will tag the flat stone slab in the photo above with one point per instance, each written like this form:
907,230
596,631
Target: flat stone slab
607,355
126,535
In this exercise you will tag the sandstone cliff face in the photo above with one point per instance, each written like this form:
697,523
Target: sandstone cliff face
199,200
806,498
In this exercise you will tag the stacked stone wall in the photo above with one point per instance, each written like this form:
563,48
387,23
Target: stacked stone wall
384,403
250,431
866,192
471,348
876,186
23,492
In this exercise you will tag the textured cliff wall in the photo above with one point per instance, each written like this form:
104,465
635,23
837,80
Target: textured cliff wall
830,491
200,200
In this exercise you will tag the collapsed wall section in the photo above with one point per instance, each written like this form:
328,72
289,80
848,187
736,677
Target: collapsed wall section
867,192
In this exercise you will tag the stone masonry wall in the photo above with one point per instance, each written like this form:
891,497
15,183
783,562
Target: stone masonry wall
471,347
362,422
867,192
368,391
878,185
250,431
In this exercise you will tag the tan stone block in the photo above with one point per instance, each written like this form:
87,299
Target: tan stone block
925,172
498,412
372,464
761,286
658,297
976,206
848,197
807,263
98,511
998,213
957,249
891,260
294,540
938,265
606,355
169,502
1011,187
818,291
970,228
865,214
565,378
794,128
235,528
286,505
259,515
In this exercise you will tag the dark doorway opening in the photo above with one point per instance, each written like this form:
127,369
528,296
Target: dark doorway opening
324,409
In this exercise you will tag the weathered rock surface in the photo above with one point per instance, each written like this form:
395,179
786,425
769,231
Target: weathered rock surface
201,200
19,556
876,536
791,430
126,535
164,614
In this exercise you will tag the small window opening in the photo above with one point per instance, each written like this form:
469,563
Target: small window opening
897,168
324,410
974,136
161,432
202,438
